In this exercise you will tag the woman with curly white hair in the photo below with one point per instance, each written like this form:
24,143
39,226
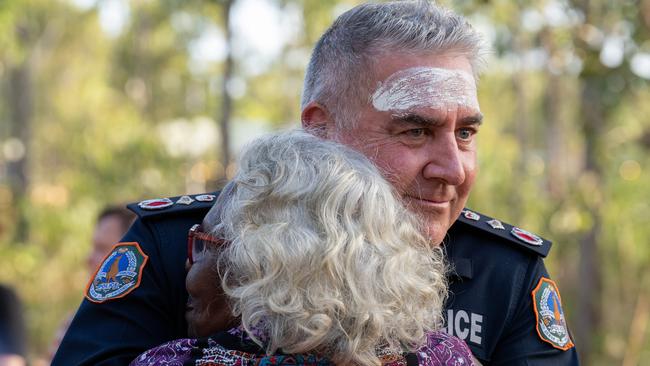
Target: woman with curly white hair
319,264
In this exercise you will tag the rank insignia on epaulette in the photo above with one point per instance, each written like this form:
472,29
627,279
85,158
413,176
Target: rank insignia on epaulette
526,237
205,197
496,224
551,323
119,274
470,215
155,204
185,200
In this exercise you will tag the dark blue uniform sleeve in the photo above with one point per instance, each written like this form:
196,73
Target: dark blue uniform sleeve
520,344
116,331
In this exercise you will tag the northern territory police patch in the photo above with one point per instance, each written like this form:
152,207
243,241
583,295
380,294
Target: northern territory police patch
119,274
551,324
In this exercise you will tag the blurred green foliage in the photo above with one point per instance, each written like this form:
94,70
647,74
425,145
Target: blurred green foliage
563,150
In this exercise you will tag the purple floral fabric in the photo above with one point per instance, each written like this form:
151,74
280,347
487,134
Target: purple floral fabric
173,353
440,350
189,352
444,350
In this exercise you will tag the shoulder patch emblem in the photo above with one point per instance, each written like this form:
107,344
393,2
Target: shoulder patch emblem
119,274
551,324
155,204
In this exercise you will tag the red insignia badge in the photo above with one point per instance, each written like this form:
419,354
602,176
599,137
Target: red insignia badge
155,204
471,215
526,237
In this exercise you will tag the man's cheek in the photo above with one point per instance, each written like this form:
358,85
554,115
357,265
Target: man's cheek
393,171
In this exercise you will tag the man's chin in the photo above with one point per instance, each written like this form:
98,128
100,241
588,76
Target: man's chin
436,227
437,238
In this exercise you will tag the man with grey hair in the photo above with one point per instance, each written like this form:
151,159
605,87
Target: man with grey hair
397,82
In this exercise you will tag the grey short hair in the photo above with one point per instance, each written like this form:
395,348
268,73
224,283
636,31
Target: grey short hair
339,72
322,255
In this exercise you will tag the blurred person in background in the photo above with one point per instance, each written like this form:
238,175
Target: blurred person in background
112,223
12,329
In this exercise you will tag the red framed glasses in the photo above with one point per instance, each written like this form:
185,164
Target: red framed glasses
198,241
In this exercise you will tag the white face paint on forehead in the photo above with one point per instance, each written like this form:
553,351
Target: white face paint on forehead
426,87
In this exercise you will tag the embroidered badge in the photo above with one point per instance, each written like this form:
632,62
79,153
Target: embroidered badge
551,324
185,200
205,197
471,215
526,237
119,274
496,224
155,204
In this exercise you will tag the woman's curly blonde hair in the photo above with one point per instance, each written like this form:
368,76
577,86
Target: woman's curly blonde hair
323,257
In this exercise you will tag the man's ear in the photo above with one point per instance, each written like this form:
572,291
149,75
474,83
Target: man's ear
317,120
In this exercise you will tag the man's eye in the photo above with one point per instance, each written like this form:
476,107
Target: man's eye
465,133
416,132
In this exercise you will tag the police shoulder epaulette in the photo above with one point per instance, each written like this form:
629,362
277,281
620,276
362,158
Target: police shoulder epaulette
172,205
522,238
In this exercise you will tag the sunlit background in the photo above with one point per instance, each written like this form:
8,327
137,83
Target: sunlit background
113,101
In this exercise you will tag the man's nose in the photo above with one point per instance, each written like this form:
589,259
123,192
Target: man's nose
445,161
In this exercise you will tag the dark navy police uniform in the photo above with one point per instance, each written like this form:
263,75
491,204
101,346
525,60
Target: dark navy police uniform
491,304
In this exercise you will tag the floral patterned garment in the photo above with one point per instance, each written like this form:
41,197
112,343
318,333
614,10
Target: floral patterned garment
234,348
444,350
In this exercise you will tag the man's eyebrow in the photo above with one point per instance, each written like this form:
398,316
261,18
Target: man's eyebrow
414,119
476,119
421,121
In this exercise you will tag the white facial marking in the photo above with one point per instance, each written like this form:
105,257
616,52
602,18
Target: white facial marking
425,87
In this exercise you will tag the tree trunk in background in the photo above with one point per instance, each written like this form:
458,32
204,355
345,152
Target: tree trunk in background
645,12
638,326
139,86
522,113
521,116
589,291
20,103
553,96
592,114
226,99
